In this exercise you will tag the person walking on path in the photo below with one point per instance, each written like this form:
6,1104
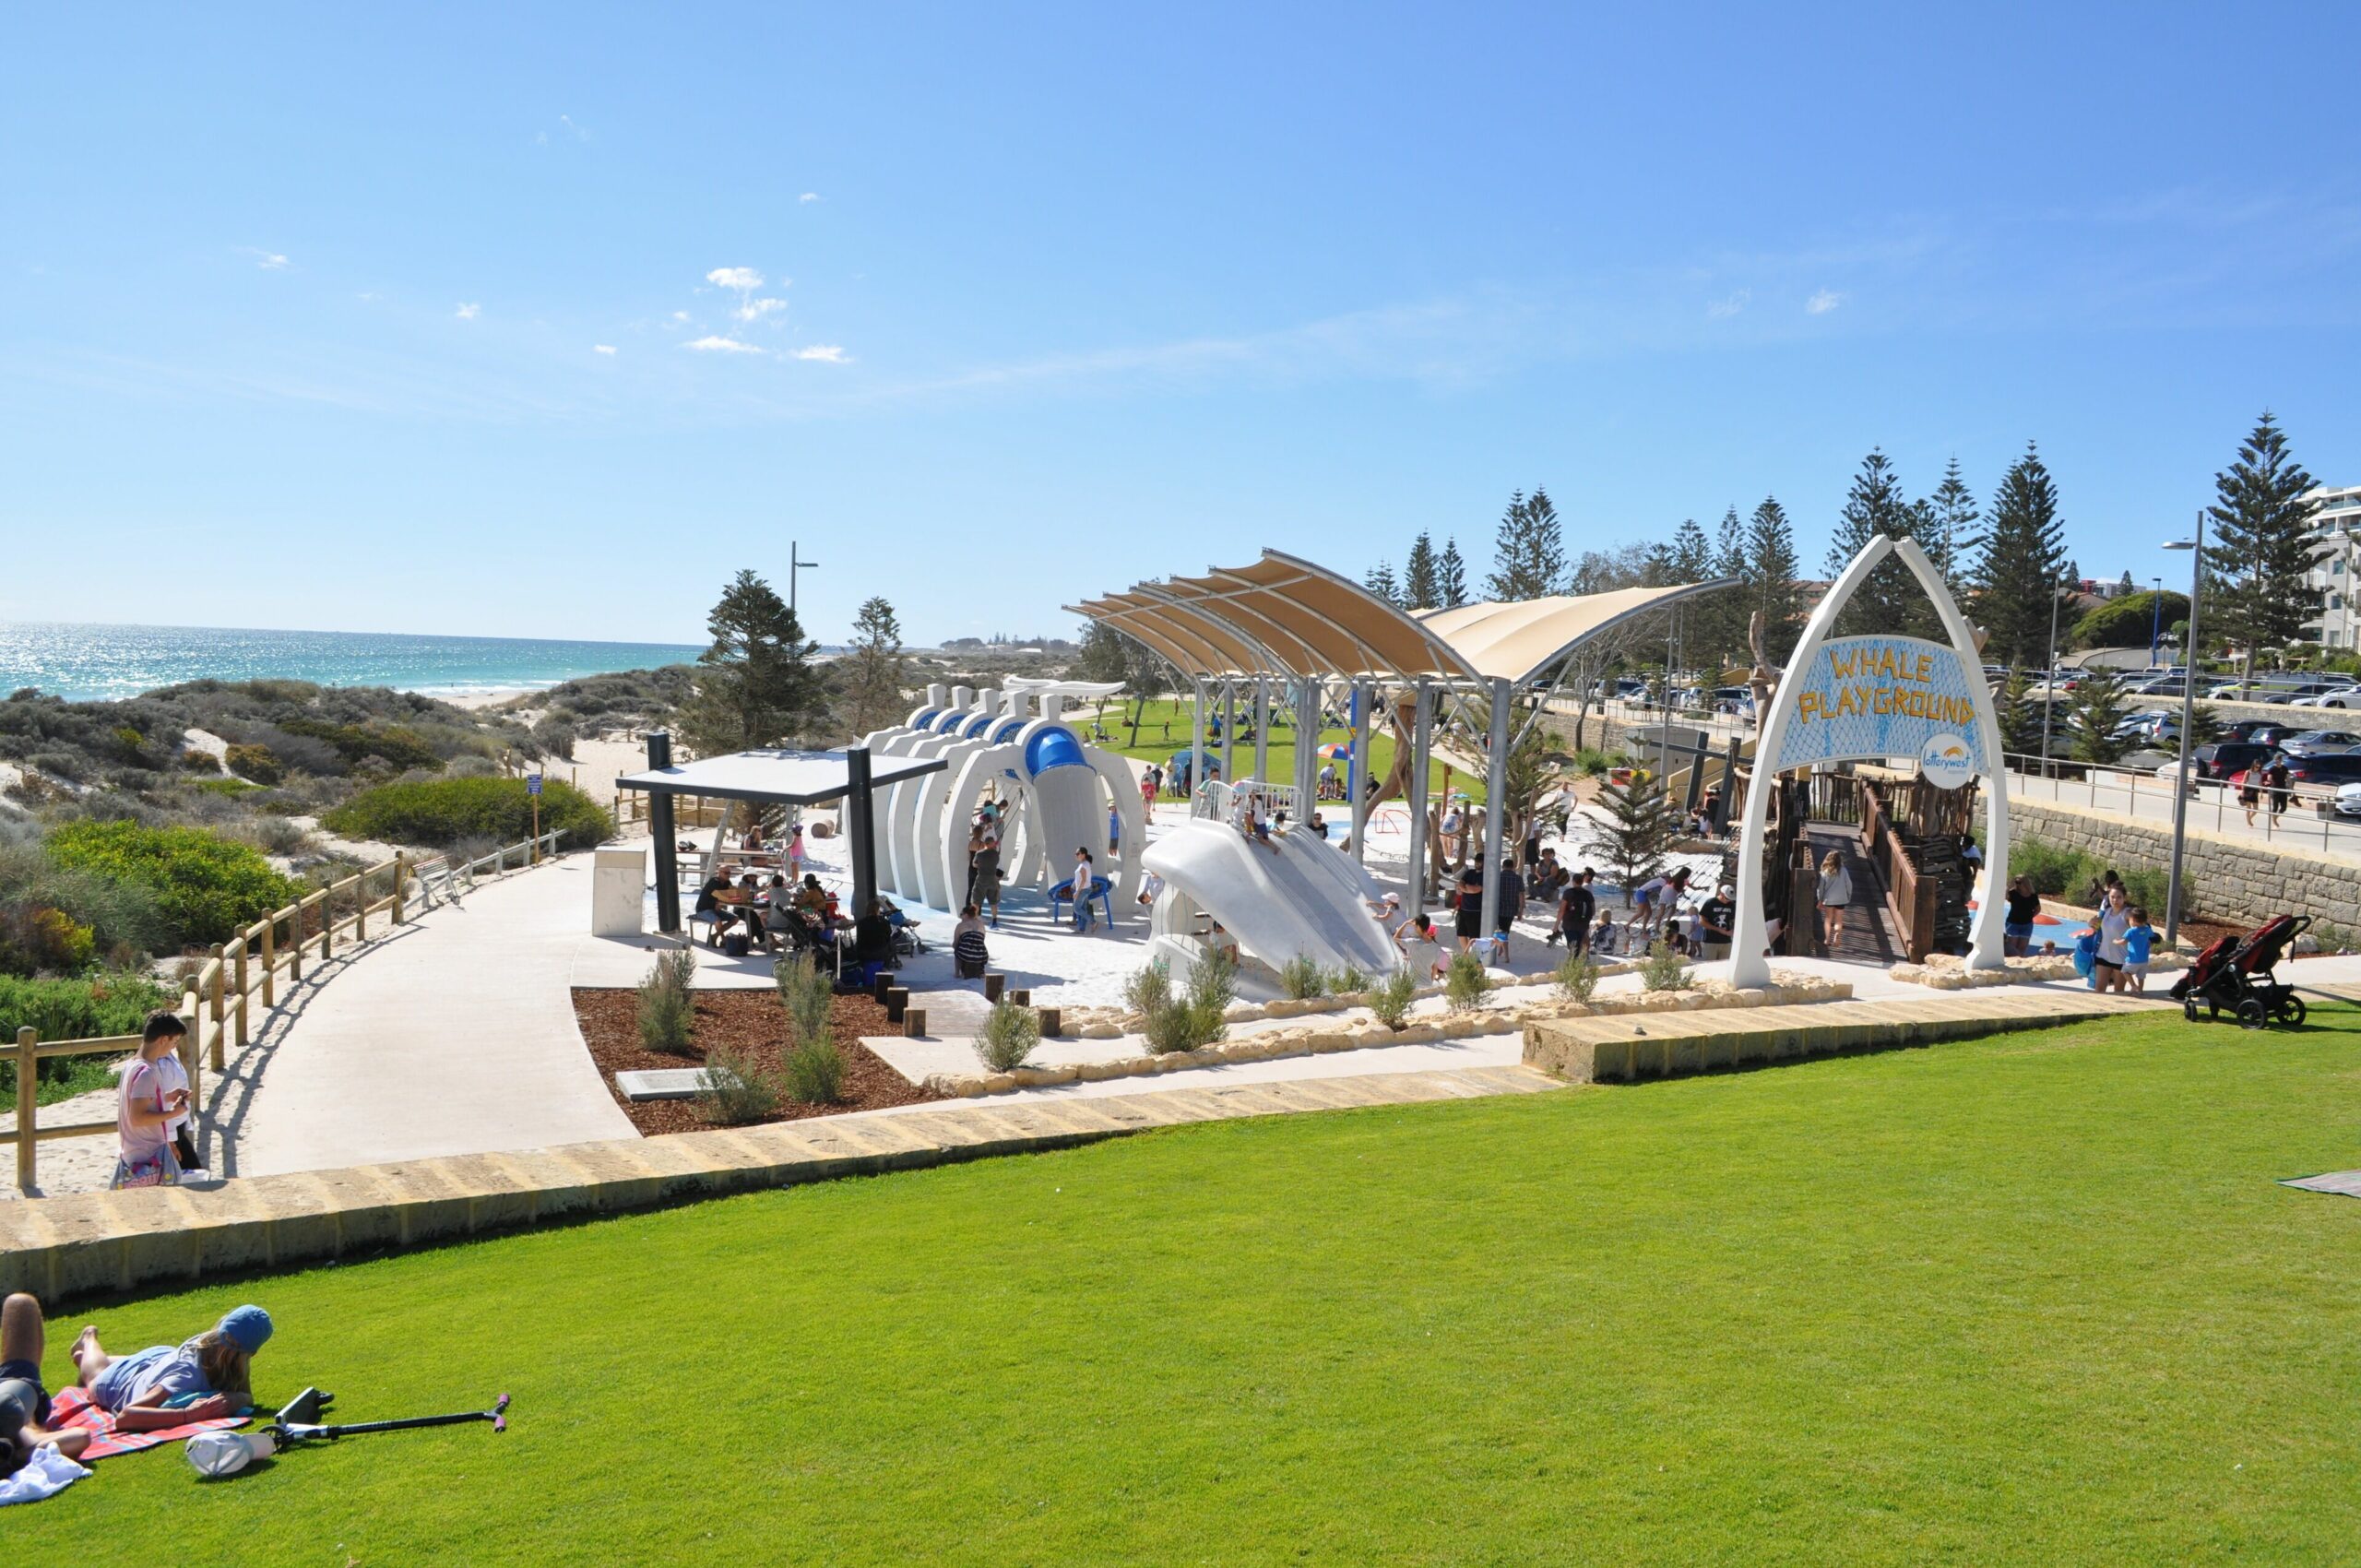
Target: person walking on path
1835,891
1576,907
2113,923
145,1108
2276,779
1147,796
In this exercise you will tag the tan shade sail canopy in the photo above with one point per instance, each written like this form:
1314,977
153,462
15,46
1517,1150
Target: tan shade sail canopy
1525,641
1279,615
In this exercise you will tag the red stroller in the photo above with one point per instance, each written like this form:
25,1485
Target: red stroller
2235,973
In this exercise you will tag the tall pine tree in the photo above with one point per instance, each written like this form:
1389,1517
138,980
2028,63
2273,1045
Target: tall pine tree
2257,561
1771,586
1891,598
1451,576
1380,582
1528,552
874,671
1950,535
1725,613
1421,589
755,686
2019,564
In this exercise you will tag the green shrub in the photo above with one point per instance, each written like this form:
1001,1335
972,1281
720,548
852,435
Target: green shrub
1148,990
232,788
35,938
667,1009
808,995
122,915
394,746
441,813
815,1073
1010,1034
1576,976
1663,969
256,765
1390,999
1464,984
2053,870
1348,980
114,1004
1196,1019
736,1091
1300,977
204,886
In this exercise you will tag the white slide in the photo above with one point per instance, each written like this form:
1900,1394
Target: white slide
1304,898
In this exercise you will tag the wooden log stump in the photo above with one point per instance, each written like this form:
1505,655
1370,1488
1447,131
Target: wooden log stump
993,984
1049,1023
897,1002
883,984
1022,996
914,1023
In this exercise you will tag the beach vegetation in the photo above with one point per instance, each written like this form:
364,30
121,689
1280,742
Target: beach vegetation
204,886
1576,976
1391,999
1009,1036
755,686
814,1071
1663,969
440,812
736,1092
1464,984
666,1008
1300,977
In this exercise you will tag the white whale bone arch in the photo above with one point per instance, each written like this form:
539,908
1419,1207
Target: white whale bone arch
1750,965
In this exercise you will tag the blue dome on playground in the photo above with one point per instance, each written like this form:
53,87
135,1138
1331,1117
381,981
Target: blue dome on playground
1054,747
975,726
923,717
1008,730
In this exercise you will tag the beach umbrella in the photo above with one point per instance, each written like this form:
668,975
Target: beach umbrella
1334,751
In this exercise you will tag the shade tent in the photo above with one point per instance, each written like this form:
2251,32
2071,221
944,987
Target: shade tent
1284,619
1526,640
768,776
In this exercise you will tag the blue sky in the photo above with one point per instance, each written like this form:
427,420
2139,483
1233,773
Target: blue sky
393,322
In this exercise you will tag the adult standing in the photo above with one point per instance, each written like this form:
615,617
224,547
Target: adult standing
1715,920
145,1108
1467,908
1512,906
1577,907
2114,921
2276,779
2025,910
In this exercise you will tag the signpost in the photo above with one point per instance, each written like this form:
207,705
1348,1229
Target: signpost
533,790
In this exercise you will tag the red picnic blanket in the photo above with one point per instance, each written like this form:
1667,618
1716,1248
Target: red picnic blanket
72,1407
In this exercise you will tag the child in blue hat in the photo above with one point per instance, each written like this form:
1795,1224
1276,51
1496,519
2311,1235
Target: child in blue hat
167,1386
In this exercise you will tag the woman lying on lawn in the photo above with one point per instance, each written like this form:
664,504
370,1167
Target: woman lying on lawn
139,1389
24,1403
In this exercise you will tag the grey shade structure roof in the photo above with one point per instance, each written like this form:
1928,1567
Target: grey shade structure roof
1524,640
792,778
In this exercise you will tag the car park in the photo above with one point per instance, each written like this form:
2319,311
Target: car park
2348,799
2310,742
2322,769
2217,760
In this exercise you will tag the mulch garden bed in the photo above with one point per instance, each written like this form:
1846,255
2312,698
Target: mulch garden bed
749,1021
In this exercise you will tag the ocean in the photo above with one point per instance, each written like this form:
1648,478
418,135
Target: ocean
87,663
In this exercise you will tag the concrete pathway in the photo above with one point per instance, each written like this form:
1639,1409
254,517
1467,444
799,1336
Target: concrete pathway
457,1037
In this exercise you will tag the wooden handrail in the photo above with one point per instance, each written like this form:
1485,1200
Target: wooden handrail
215,1002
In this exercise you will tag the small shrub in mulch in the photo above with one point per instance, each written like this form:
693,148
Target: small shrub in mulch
754,1027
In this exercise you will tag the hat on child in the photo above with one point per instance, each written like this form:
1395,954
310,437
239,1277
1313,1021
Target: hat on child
248,1327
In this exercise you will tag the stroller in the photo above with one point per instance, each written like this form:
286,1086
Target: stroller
2234,973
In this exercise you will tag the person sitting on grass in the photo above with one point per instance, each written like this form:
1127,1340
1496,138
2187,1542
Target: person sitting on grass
24,1402
970,954
139,1390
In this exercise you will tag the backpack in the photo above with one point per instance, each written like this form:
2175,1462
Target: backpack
736,945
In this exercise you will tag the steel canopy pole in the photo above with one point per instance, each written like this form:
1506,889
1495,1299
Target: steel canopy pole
1228,730
1421,738
1197,745
1496,789
1262,729
1357,772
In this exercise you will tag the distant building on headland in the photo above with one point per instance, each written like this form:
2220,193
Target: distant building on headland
2336,557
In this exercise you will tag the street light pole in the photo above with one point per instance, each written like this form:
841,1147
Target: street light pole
795,563
2049,676
2187,722
2155,619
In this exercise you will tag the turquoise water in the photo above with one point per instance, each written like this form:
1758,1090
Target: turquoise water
85,662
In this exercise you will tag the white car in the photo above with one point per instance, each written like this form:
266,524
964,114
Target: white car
2330,699
2348,800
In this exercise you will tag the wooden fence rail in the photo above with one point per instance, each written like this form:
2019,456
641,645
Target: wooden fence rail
218,1001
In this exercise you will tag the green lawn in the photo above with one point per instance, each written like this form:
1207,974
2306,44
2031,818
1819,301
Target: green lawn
2031,1299
1163,715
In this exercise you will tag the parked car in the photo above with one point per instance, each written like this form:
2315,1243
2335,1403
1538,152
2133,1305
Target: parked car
2322,769
2348,799
2270,734
2349,696
2217,761
2313,743
2244,729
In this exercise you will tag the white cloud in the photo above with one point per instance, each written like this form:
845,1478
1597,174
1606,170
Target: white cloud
1729,305
468,312
718,345
1823,301
579,134
809,196
754,310
826,353
744,279
607,349
271,262
680,315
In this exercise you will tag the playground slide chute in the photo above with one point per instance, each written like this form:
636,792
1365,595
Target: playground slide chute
1304,898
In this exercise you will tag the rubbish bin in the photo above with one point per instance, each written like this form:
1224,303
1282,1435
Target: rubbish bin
618,892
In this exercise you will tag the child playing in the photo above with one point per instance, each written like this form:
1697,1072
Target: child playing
1602,935
2137,939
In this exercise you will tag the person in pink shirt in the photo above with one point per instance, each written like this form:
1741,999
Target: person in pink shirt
146,1107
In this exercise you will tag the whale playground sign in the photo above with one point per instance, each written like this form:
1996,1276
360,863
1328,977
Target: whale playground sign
1878,698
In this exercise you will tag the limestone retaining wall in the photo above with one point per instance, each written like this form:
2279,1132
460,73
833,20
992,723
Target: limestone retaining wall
2228,878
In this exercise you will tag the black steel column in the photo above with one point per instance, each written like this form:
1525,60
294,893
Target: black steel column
660,823
860,831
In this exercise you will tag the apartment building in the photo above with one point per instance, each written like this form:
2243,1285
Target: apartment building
2336,562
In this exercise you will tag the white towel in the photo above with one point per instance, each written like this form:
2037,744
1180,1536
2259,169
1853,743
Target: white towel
46,1474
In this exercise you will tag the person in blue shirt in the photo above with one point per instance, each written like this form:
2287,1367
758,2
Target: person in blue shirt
2139,938
140,1389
